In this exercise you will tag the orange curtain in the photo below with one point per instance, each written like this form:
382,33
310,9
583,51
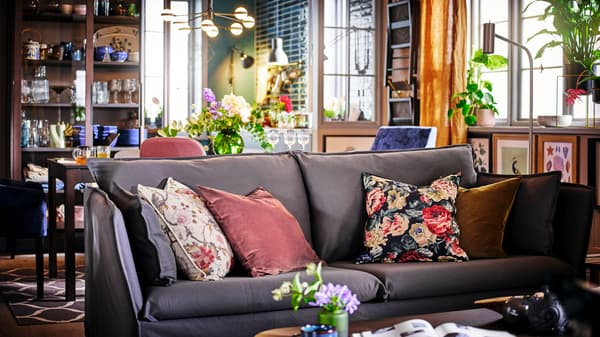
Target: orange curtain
442,66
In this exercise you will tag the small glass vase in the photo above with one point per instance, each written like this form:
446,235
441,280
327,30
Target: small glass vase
228,142
338,319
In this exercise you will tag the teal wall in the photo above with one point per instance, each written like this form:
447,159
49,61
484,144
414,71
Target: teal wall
219,50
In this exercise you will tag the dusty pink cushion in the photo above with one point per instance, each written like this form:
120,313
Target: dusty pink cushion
263,234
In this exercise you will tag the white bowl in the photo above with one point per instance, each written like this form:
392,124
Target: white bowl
560,121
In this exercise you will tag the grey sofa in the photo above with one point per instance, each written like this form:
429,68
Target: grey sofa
324,192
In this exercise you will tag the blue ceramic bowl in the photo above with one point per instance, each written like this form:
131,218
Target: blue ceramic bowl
119,56
101,51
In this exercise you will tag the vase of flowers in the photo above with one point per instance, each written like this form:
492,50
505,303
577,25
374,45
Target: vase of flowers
336,301
223,122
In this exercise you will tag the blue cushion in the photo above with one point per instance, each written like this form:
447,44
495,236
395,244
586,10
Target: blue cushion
404,137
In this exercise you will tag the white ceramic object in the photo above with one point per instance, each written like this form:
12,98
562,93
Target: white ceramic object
485,117
560,121
126,37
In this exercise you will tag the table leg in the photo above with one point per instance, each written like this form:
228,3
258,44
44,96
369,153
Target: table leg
51,226
69,238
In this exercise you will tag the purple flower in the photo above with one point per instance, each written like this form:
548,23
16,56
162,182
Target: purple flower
334,297
208,95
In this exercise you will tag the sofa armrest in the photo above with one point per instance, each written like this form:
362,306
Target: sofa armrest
112,288
572,225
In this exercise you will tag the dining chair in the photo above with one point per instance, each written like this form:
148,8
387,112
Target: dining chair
404,137
171,147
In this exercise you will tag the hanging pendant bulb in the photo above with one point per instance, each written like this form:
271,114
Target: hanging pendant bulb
212,31
248,22
236,28
277,55
240,13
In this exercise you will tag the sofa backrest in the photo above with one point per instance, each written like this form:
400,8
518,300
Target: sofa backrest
336,195
240,174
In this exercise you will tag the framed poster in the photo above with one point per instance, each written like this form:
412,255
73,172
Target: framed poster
510,154
481,154
558,153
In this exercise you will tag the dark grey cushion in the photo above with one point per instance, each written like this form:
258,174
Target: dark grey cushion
237,295
152,253
336,192
529,229
426,279
239,174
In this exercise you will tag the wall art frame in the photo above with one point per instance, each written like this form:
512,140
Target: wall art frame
510,153
481,153
559,153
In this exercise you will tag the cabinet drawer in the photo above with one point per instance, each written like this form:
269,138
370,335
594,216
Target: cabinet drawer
348,143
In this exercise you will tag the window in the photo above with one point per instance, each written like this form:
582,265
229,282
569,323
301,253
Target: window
349,60
511,86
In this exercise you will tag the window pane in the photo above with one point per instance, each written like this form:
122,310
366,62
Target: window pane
334,97
179,100
544,93
500,91
493,10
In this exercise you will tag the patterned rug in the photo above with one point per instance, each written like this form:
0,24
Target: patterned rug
18,288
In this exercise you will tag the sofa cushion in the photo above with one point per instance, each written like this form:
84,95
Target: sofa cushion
239,174
249,220
528,231
201,249
336,196
422,279
154,259
411,223
238,295
481,213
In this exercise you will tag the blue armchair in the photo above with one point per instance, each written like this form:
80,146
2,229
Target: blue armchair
404,137
23,207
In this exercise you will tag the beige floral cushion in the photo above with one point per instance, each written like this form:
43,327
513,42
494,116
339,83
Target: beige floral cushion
201,249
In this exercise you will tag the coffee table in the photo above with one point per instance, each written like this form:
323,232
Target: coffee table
485,318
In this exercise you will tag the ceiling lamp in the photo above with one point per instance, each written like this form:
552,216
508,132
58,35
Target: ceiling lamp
240,20
277,56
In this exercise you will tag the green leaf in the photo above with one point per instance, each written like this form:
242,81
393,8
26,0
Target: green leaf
470,120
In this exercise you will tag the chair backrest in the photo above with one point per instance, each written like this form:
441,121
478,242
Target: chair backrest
171,147
404,137
23,205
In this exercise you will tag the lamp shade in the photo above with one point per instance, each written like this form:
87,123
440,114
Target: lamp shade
277,55
488,38
247,60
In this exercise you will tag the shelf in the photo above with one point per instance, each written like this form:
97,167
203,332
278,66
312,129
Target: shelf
399,99
116,106
117,20
56,63
46,105
54,16
47,149
102,64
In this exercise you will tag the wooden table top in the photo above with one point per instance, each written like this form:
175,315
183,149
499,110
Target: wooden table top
473,317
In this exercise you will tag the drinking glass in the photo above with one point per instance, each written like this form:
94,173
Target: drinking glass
289,138
303,139
129,86
115,86
273,137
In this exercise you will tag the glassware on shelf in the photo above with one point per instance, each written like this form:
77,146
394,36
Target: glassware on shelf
44,132
115,86
25,91
273,137
289,138
303,139
129,86
40,89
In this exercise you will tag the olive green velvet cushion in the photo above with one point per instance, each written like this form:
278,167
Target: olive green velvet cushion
481,213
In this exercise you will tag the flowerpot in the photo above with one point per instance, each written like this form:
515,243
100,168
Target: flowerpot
228,142
338,319
572,72
485,117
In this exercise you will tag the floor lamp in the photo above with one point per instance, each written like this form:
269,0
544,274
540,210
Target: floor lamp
488,48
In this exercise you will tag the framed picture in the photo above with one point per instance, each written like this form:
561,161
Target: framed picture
511,154
481,154
558,153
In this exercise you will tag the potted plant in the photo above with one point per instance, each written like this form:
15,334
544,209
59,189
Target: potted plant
477,99
577,31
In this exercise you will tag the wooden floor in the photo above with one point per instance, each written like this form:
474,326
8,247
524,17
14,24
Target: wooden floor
8,325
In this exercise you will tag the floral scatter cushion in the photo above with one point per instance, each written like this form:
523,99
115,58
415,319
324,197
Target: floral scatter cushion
411,223
201,249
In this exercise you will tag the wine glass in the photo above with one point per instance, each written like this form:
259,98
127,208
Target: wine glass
115,86
303,139
289,138
273,138
129,85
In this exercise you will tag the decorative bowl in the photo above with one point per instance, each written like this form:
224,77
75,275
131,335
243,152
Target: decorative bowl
101,52
560,121
119,56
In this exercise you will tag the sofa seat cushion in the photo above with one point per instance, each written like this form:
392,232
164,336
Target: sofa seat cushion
423,279
240,295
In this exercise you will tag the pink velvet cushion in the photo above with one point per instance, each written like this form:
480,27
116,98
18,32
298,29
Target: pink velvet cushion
263,234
